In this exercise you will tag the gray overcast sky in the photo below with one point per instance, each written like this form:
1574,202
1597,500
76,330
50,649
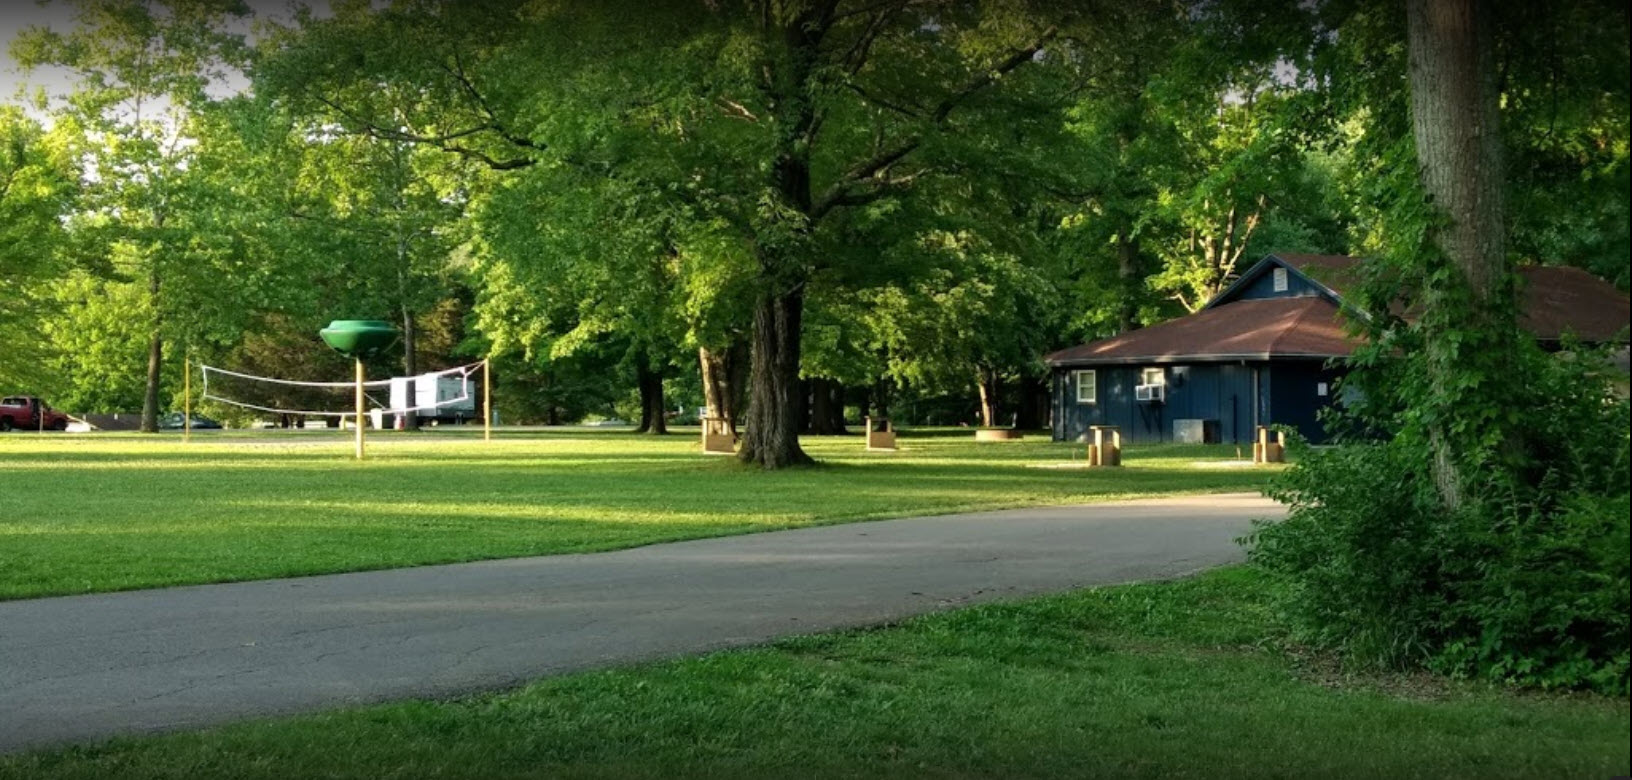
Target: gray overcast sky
18,14
15,16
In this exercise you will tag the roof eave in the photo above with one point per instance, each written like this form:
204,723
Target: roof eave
1203,358
1257,268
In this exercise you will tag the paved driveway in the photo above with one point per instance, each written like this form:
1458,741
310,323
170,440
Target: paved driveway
86,667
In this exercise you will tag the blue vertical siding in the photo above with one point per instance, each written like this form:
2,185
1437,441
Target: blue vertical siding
1234,403
1263,286
1220,392
1295,387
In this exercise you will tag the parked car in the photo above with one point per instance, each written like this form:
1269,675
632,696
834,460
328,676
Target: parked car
25,412
176,421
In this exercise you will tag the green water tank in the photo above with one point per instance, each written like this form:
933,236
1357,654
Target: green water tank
359,339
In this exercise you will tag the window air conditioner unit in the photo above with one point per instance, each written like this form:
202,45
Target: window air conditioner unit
1150,393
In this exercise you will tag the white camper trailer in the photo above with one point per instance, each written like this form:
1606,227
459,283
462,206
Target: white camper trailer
440,398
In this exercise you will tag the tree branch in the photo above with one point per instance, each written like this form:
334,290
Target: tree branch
867,9
458,73
839,194
856,58
907,111
442,141
737,110
1002,69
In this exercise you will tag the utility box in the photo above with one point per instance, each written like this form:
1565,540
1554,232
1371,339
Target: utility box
1195,431
439,397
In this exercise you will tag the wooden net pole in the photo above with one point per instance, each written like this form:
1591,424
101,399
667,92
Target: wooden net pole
487,399
187,399
359,409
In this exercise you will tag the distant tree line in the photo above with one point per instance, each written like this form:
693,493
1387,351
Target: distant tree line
792,212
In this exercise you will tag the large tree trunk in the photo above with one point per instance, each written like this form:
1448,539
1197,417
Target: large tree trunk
802,400
1031,396
987,380
155,359
723,372
645,408
653,414
737,366
817,414
715,384
835,408
881,398
410,367
1129,281
772,437
1456,124
827,407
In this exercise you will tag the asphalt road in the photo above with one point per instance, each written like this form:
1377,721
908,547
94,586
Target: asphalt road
83,668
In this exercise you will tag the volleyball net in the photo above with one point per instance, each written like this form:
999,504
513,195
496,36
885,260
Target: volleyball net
399,395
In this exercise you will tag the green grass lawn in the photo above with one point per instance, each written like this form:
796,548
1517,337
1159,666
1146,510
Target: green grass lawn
1161,680
109,512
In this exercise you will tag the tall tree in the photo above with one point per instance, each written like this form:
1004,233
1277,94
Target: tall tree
387,213
1565,111
142,67
223,268
1470,313
808,53
779,116
1235,93
575,266
38,185
1188,150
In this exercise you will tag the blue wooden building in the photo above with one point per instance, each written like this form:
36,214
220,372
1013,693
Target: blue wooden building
1266,351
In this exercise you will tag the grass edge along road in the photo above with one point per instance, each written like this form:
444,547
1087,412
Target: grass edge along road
111,512
1179,678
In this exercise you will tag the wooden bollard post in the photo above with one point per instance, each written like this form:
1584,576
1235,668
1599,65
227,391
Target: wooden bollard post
717,437
880,434
1270,446
1106,450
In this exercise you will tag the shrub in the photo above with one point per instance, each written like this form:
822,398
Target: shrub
1527,582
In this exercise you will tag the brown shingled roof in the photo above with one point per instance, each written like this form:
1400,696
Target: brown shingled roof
1560,300
1556,300
1274,327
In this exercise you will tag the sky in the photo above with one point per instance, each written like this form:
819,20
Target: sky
16,15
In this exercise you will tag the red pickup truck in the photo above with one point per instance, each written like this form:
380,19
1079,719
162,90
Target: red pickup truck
30,414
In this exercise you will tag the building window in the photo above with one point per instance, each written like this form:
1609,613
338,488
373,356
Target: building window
1087,386
1152,376
1279,277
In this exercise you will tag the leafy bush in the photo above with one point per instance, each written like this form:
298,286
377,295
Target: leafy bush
1527,582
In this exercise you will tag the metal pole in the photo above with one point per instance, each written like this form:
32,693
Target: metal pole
187,399
487,399
359,409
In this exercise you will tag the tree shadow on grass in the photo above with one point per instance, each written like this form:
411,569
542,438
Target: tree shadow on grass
146,522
